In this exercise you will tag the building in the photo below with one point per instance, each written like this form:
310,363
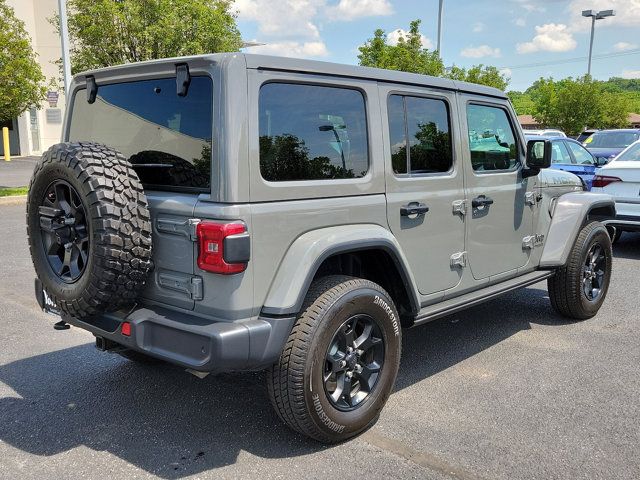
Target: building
39,128
529,123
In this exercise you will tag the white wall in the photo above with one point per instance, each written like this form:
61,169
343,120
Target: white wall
46,44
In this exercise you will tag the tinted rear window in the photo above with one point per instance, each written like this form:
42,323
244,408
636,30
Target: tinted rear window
312,132
612,139
166,137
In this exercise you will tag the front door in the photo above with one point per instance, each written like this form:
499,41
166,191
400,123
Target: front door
424,182
500,220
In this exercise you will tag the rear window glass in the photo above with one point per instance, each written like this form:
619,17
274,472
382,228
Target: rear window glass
312,132
166,137
611,139
630,155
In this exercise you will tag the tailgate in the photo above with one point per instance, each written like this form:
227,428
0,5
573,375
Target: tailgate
173,280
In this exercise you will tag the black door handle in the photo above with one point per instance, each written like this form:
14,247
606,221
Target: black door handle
413,208
481,201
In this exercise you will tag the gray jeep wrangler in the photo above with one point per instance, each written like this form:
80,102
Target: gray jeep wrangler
234,212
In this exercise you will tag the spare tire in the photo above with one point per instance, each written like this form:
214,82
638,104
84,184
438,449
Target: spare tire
89,228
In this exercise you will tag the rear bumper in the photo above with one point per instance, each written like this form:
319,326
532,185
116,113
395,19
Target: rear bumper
191,341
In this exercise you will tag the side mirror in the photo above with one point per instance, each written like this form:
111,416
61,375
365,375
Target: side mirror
538,154
601,161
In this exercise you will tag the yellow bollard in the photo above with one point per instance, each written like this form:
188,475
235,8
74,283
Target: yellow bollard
5,143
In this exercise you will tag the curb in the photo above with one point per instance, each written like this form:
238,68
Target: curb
13,200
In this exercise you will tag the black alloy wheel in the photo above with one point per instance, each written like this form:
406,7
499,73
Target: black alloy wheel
64,231
593,272
353,362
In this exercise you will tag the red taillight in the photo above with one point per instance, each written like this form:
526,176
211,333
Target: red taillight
603,180
125,329
212,238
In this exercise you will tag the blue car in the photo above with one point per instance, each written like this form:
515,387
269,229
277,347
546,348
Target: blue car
606,144
569,155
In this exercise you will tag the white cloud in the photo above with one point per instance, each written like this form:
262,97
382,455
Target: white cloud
393,37
630,74
533,7
347,10
520,22
480,51
292,49
624,46
478,27
282,19
627,14
551,37
506,72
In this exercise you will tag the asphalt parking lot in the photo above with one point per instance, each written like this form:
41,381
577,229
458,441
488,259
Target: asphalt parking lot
501,391
17,172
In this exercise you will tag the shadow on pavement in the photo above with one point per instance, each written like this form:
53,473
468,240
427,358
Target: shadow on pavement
628,246
172,424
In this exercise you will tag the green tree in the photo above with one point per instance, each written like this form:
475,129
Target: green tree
21,79
522,102
572,105
484,75
408,55
107,32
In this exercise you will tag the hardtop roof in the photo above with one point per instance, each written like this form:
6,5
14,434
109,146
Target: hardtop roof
267,62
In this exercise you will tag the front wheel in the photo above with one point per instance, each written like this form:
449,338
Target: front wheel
340,362
578,289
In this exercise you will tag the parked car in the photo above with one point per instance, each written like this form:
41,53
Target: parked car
621,179
235,212
606,144
584,135
546,132
569,155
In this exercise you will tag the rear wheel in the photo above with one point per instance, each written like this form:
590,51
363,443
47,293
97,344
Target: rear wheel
579,288
341,360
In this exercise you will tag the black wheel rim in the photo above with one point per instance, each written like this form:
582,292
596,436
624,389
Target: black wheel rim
64,231
353,362
593,272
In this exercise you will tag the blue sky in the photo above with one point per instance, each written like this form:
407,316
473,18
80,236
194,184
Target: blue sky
510,34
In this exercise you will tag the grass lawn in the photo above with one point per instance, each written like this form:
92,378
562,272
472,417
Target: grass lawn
9,191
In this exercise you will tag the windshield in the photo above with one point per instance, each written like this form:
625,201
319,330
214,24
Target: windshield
166,137
631,155
611,139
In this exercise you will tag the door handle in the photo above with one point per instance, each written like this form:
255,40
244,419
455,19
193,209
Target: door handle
413,208
481,201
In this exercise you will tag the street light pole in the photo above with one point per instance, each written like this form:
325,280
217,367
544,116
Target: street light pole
64,40
440,7
595,16
593,30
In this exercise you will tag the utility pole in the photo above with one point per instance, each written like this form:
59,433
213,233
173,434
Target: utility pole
64,40
440,7
595,16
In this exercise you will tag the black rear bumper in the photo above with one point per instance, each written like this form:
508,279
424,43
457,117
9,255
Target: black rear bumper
194,342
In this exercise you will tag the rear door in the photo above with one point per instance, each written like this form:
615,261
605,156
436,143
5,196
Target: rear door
425,183
501,201
585,163
167,139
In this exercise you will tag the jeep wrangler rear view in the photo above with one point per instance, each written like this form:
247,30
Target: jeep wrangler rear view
233,212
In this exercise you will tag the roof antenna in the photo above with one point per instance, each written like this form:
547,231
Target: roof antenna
183,79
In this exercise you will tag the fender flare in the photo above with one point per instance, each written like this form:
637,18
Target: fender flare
305,255
570,213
